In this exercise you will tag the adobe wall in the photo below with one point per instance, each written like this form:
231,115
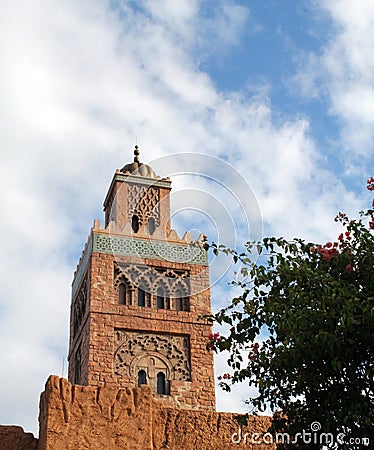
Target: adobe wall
76,417
14,438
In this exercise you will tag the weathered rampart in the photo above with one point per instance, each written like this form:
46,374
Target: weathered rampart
74,417
14,438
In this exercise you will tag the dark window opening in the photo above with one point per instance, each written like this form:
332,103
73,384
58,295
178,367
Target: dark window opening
178,304
181,303
151,225
141,297
142,377
123,294
77,366
148,299
135,223
160,298
80,305
161,383
186,304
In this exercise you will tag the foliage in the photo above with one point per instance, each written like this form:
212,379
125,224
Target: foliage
302,331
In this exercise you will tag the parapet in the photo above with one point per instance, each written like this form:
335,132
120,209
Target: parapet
74,417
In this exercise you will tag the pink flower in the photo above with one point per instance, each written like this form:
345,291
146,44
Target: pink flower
348,268
370,184
328,244
214,337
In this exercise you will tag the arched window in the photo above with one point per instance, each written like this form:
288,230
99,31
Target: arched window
161,383
186,304
142,377
151,225
182,303
135,223
77,366
123,294
178,304
141,297
160,303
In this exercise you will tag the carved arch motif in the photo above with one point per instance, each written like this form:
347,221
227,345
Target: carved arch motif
180,296
80,305
174,284
144,203
136,350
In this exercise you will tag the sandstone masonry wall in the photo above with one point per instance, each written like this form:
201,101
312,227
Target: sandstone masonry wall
95,337
14,438
76,417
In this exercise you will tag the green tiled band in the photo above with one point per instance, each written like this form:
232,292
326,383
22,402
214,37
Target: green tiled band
140,248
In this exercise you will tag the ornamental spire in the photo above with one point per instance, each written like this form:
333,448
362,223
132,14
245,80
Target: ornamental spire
136,154
138,168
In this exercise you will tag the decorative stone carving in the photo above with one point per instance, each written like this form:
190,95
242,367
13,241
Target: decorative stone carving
173,283
82,267
137,350
80,306
144,202
141,248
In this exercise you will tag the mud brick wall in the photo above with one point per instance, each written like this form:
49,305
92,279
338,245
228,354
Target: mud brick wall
15,438
76,417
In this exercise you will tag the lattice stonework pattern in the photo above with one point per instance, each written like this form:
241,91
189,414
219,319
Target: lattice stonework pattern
141,248
171,351
145,203
80,306
151,278
82,267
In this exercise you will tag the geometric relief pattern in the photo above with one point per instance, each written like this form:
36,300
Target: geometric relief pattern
80,306
82,267
144,248
173,283
145,203
135,347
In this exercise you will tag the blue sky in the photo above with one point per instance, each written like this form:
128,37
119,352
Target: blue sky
282,91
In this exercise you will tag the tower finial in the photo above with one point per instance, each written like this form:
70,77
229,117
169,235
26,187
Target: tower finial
137,167
136,154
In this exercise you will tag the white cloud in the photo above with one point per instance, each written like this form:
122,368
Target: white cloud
79,81
343,72
229,23
176,17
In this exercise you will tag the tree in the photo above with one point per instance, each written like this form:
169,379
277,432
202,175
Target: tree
302,333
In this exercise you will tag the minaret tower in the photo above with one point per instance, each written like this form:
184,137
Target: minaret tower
138,295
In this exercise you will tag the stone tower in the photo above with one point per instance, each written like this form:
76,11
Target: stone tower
137,296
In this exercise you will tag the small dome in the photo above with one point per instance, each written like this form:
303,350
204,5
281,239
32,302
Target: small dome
138,168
